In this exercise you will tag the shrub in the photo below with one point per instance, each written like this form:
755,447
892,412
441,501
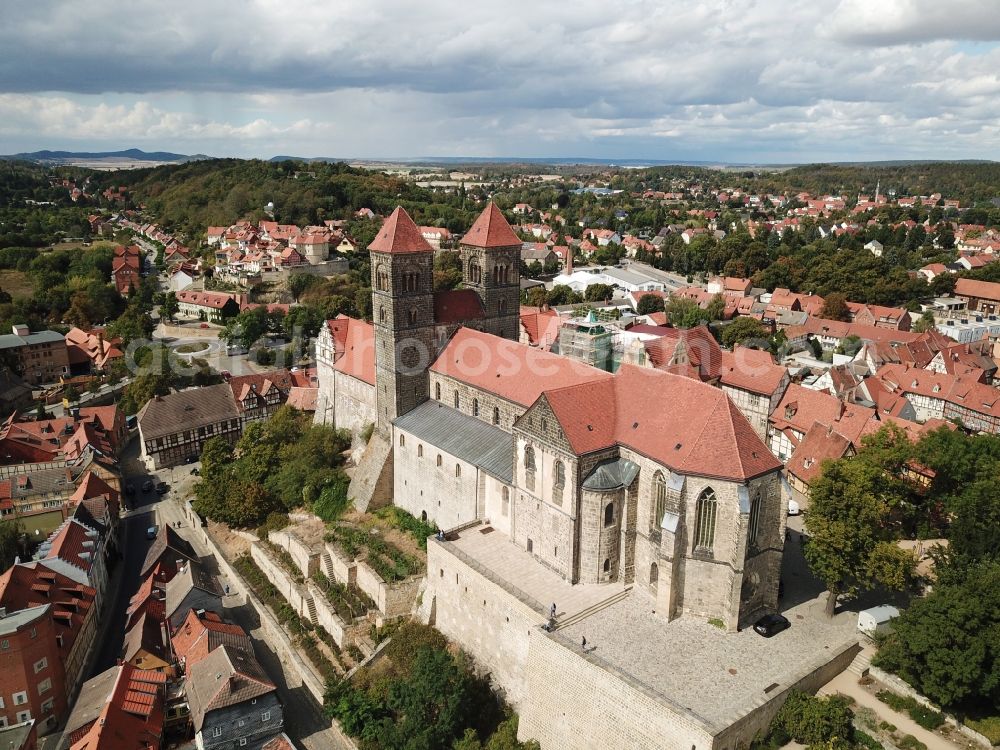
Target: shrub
909,742
366,433
717,623
812,721
865,740
926,717
333,500
274,522
403,521
988,726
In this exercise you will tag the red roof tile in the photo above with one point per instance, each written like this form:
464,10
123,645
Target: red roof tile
751,370
400,235
491,230
457,306
357,352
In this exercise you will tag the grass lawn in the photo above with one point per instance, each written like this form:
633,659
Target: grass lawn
15,283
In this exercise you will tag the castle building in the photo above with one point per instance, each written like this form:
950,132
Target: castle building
644,485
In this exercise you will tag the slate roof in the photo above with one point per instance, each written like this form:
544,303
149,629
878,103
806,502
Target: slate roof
185,410
491,230
467,438
121,708
400,235
12,340
169,542
612,474
145,635
226,677
191,576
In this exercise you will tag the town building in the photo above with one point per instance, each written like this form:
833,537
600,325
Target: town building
193,587
41,356
980,296
214,307
175,427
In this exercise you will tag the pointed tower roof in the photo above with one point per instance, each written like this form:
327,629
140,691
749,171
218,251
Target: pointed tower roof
400,235
491,230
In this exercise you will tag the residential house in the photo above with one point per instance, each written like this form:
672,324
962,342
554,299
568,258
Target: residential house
78,550
47,629
146,644
119,709
175,427
800,408
21,736
896,318
980,296
215,307
201,633
89,351
193,587
15,394
754,383
875,248
168,553
41,356
233,702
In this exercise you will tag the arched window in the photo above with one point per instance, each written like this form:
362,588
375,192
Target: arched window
439,459
503,305
402,440
458,470
609,514
607,565
704,520
475,272
654,574
496,274
475,407
505,501
437,391
496,415
659,500
420,450
753,523
456,398
381,315
381,279
413,316
558,481
529,467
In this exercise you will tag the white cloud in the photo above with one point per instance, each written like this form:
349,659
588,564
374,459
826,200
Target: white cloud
723,78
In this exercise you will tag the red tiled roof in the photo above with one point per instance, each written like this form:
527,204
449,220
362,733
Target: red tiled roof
692,427
215,300
751,370
399,235
457,306
132,716
821,443
979,289
198,635
801,407
491,230
540,326
692,346
355,344
514,371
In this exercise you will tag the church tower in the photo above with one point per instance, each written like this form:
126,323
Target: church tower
491,265
402,266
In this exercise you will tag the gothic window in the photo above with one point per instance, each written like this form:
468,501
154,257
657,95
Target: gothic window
505,501
413,316
475,272
704,520
420,450
381,279
503,306
753,524
659,500
654,574
456,398
609,514
529,468
496,415
439,460
381,315
496,274
558,482
475,407
402,440
458,470
437,391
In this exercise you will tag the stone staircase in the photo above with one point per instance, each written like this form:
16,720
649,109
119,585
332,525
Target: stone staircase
311,609
861,662
326,565
585,613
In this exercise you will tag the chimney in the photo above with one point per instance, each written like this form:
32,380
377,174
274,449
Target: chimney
569,260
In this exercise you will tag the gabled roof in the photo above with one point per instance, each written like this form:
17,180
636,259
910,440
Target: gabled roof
191,576
821,443
682,423
354,341
979,289
200,634
119,709
801,407
399,235
168,545
228,676
491,230
516,372
145,635
457,306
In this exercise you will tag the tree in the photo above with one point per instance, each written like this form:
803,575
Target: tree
11,541
743,330
447,270
170,306
685,313
852,531
142,389
649,303
561,294
716,308
945,644
813,721
835,307
249,326
925,322
598,293
299,282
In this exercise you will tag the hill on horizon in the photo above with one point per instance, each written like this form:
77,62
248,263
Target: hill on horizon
134,154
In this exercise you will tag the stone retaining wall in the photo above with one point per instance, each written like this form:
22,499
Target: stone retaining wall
393,600
305,558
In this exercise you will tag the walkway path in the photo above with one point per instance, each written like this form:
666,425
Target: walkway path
847,684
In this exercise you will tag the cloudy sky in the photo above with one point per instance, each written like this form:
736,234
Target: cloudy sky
727,80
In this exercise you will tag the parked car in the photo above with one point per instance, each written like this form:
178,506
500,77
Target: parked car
191,459
770,625
793,508
195,472
162,488
147,486
151,532
203,325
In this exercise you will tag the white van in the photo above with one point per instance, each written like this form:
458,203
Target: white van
876,619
